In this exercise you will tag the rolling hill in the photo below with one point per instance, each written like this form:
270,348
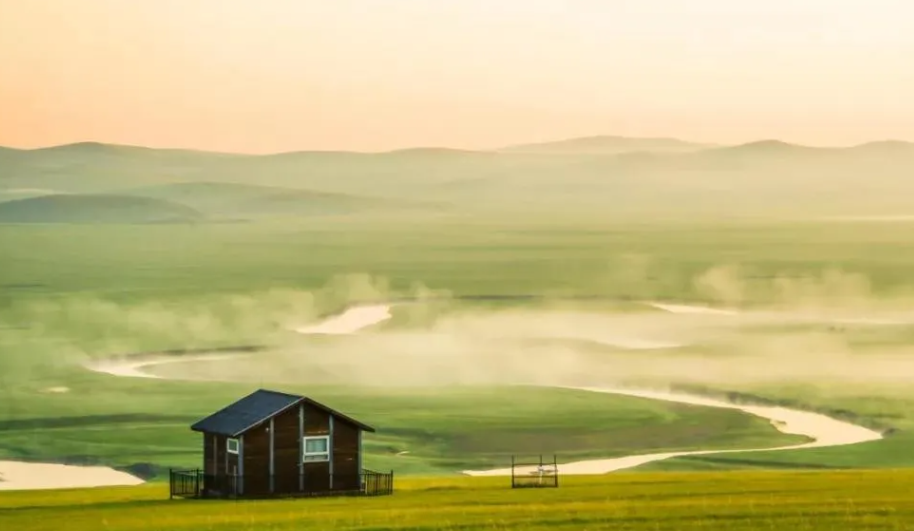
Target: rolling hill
61,208
607,145
601,175
90,167
10,194
232,200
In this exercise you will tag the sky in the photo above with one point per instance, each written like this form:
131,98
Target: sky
371,75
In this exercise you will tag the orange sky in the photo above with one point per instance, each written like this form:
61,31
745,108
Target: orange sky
280,75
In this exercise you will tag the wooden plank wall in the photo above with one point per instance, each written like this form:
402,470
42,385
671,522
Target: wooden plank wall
286,451
317,475
209,454
345,456
257,460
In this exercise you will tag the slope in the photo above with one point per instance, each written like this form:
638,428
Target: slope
233,200
765,178
762,178
607,145
91,167
65,208
11,194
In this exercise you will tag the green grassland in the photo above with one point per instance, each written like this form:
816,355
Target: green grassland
73,293
749,501
460,256
143,427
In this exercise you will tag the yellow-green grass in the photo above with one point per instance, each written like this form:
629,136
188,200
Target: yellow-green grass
826,501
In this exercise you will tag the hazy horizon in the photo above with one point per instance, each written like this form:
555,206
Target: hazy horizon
365,75
556,141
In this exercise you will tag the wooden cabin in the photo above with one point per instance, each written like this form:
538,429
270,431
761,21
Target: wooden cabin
277,444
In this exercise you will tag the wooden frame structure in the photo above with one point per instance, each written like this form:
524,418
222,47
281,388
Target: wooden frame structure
195,483
540,474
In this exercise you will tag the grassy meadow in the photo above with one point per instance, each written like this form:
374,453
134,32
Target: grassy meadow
129,289
748,501
77,293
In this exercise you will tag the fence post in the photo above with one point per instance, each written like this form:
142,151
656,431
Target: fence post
171,484
555,469
391,485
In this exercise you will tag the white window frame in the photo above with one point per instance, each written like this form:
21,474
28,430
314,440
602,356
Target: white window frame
228,446
315,457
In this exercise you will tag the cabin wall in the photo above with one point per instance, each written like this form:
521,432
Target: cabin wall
222,456
316,474
286,451
255,455
345,455
209,454
232,466
217,462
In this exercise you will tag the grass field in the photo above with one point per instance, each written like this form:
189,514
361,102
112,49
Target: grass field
72,293
802,501
126,424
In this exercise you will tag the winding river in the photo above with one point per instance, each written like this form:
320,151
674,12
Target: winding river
823,431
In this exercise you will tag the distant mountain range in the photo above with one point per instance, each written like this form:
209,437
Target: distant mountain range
604,174
607,145
600,144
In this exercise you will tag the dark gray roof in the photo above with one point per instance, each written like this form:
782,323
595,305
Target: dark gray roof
261,405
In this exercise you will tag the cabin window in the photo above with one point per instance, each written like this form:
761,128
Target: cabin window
231,446
317,448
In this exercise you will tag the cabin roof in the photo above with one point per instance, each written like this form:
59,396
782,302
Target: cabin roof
261,405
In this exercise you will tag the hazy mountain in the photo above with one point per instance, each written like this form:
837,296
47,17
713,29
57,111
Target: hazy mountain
95,209
886,147
10,194
757,177
99,148
232,200
91,167
435,152
607,145
769,147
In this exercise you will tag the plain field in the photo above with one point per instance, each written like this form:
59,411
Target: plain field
71,293
802,501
